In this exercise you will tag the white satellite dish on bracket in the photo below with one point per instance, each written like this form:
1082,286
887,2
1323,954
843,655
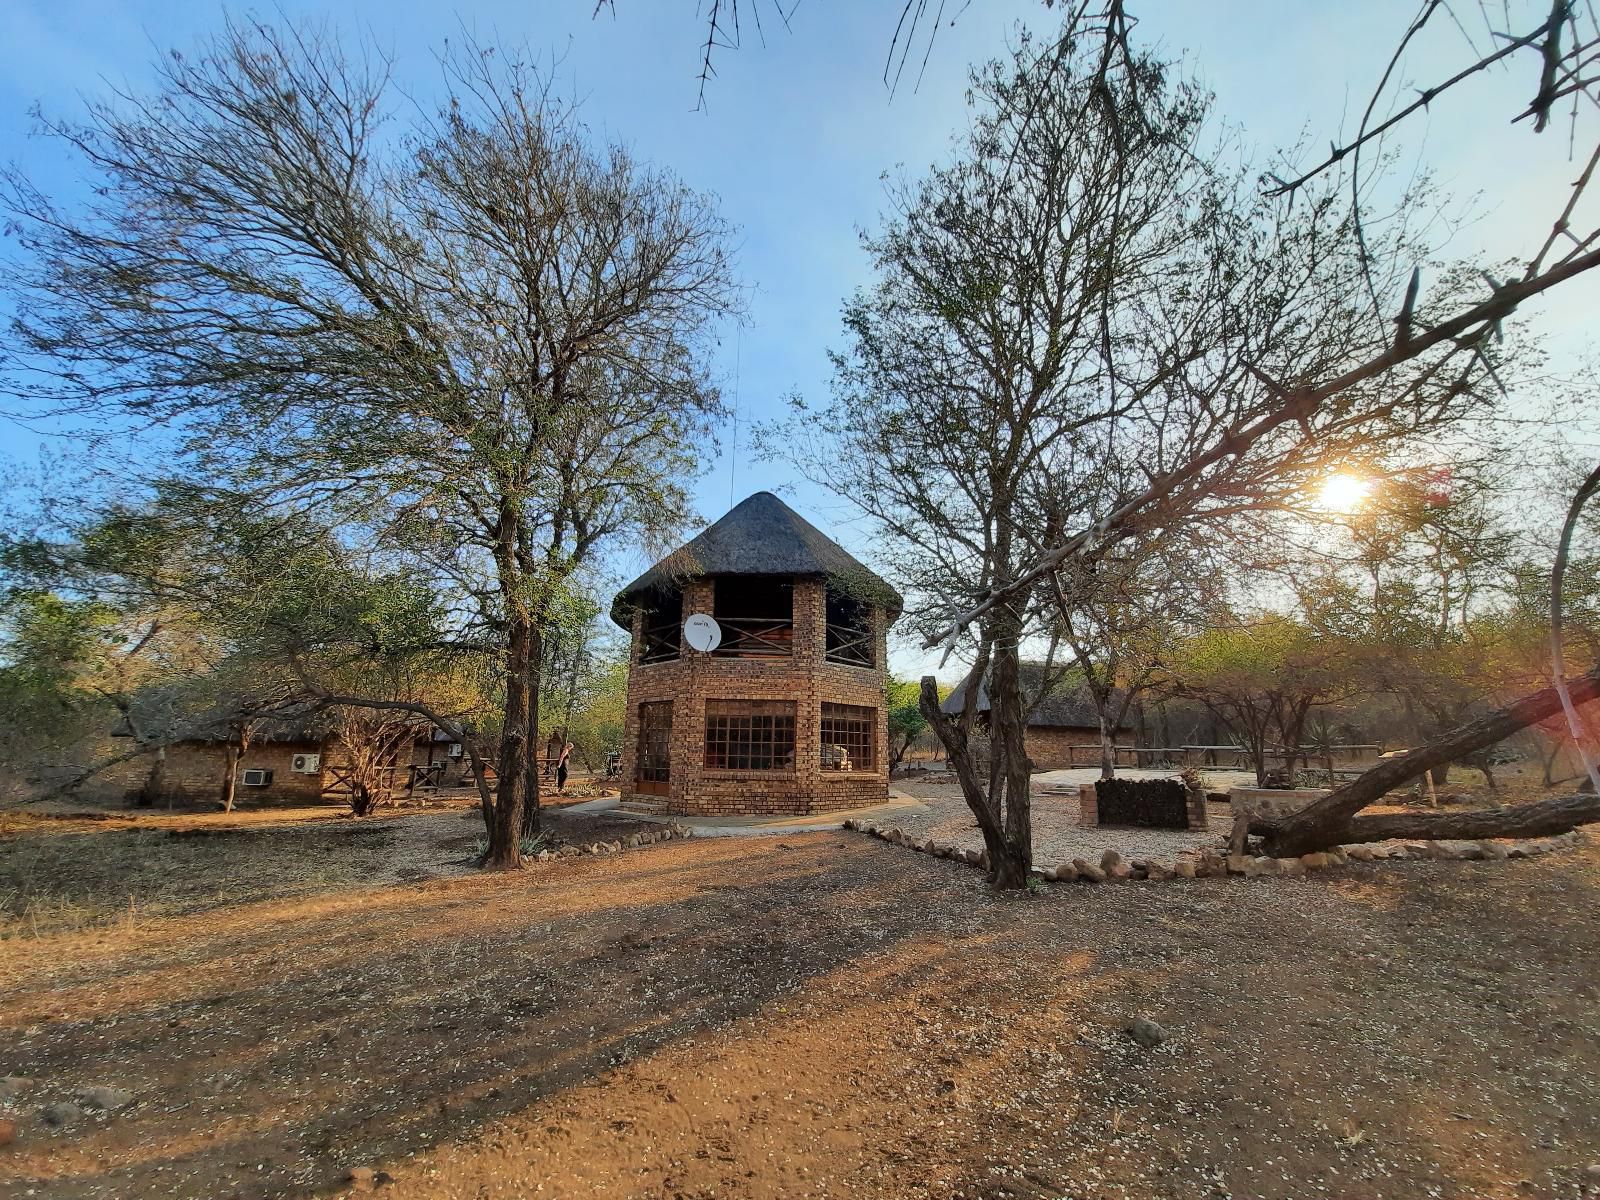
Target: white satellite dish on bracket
702,633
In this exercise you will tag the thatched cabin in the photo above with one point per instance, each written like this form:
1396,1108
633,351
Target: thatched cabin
1063,725
301,759
786,713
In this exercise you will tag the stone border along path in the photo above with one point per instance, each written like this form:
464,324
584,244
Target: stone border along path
632,842
1209,863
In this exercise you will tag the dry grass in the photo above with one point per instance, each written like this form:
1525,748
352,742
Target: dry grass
809,1015
62,882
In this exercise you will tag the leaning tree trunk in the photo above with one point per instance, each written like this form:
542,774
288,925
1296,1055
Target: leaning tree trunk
1328,821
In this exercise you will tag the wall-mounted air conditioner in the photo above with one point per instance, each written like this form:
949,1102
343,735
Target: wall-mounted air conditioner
455,750
256,777
306,764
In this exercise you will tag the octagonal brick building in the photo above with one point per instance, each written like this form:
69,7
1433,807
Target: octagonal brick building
786,715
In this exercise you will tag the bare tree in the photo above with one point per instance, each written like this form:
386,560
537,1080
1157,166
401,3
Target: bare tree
478,344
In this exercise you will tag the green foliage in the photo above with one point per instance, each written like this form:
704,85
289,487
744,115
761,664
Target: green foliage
51,650
906,722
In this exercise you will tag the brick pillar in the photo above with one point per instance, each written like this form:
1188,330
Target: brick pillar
810,644
1088,805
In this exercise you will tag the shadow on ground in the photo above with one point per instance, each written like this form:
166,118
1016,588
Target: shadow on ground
826,1014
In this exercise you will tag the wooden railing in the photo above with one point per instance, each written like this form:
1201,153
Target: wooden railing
755,637
853,647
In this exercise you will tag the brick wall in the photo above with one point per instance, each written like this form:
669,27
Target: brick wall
1047,745
803,678
194,771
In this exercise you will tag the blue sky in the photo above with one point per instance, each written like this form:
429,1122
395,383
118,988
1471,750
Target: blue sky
798,131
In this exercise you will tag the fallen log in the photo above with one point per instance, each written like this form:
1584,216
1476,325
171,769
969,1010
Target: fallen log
1326,822
1542,818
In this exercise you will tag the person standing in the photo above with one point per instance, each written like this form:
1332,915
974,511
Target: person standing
552,751
561,768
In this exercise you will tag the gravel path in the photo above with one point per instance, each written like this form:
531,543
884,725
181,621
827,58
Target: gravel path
1057,835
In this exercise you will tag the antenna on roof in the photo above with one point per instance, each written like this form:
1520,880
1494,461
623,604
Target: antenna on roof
733,450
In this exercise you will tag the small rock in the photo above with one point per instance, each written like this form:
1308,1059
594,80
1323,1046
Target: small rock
1262,866
363,1179
634,841
61,1114
1119,870
1146,1032
1338,856
1066,873
1290,866
1416,850
1517,850
927,846
1155,869
1493,850
1185,868
106,1099
1110,859
1087,871
1361,853
12,1086
1592,1171
1315,861
1239,864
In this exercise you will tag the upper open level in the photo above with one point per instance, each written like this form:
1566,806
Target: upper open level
756,614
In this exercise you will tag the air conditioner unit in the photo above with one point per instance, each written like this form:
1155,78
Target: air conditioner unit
306,764
256,777
455,750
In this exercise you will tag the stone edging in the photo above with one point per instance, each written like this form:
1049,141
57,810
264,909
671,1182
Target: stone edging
632,842
1210,863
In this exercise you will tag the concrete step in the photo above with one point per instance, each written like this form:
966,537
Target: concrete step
640,808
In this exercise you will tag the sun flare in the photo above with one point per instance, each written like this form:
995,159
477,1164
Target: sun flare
1343,493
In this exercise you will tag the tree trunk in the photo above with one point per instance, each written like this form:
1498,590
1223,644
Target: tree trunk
1539,819
505,826
1326,822
1010,861
958,752
155,782
1108,749
530,811
1549,761
230,775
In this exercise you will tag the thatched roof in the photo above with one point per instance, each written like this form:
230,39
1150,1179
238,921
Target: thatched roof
1068,705
761,535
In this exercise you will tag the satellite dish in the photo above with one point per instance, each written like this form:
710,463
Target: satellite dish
702,633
